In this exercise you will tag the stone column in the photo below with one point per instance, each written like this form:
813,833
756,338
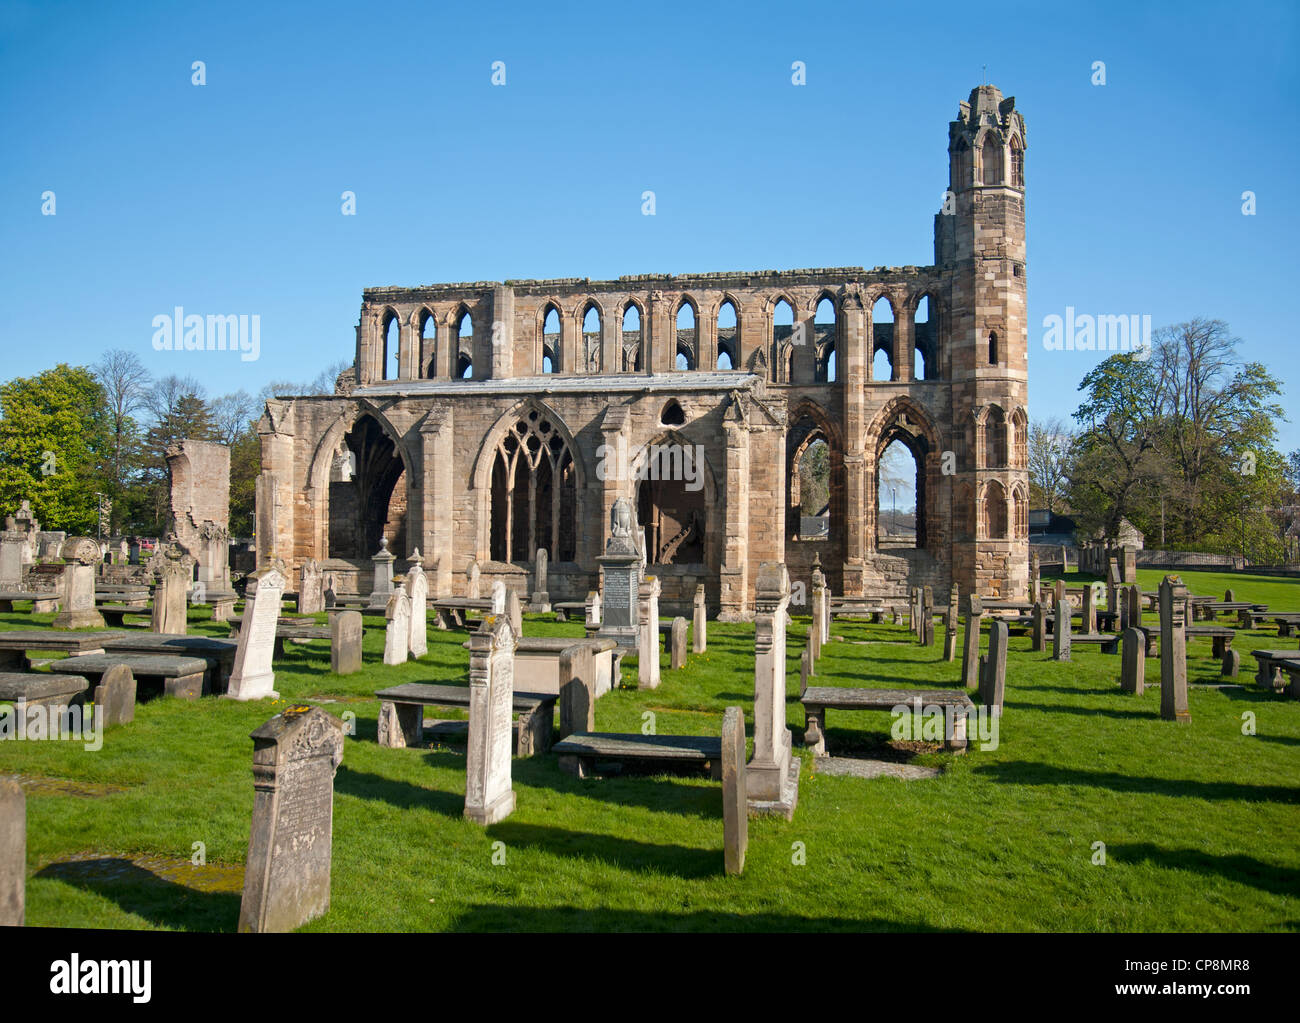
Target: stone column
382,587
1089,611
699,640
851,368
970,657
735,556
436,493
648,634
773,775
1173,649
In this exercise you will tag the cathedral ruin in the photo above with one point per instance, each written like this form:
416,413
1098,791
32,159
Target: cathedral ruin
485,421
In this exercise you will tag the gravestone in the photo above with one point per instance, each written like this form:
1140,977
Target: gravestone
169,598
1038,628
699,639
330,591
287,878
1035,584
397,635
821,601
621,563
1135,606
498,597
1089,611
13,853
77,586
648,635
252,677
541,602
114,697
471,580
814,640
1061,631
970,651
1112,584
514,612
1173,650
735,797
311,593
1065,559
593,608
346,629
382,588
577,690
1133,671
772,777
678,637
1059,598
1228,598
489,796
914,611
950,625
993,680
805,669
927,616
417,593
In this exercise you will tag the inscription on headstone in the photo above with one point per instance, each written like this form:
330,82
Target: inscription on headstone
252,677
489,796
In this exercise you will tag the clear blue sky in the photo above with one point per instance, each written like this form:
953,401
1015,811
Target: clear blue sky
226,198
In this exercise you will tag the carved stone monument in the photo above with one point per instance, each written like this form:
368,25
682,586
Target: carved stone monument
735,797
311,589
541,602
498,597
699,637
417,592
994,679
622,571
252,677
397,636
489,796
678,637
77,586
1133,671
287,878
169,615
648,634
382,588
970,651
772,777
1173,650
346,630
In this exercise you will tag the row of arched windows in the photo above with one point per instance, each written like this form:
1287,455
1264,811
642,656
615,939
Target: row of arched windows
999,163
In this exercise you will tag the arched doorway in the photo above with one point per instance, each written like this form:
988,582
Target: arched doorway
367,494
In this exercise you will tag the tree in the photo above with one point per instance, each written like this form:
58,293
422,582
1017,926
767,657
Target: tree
126,384
54,443
1051,446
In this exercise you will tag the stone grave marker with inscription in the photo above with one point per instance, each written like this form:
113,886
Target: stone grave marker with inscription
489,796
773,773
1173,650
346,630
397,634
311,590
1133,671
970,651
417,591
252,677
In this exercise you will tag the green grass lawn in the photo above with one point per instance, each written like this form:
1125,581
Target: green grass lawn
1201,823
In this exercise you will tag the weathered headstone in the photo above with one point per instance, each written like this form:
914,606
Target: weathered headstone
514,612
678,638
927,616
1135,606
115,697
621,565
1228,598
1231,665
1112,584
346,629
417,592
169,598
648,634
330,591
1035,585
773,774
1061,630
970,651
541,602
577,690
498,597
471,580
489,796
311,592
814,640
994,679
13,853
1173,650
805,669
950,624
382,587
1038,627
252,677
593,608
1089,611
287,878
699,638
1133,669
77,586
735,797
397,636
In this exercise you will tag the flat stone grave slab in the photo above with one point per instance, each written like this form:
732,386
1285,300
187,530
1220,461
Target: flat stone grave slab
174,676
41,602
40,688
1109,642
585,753
15,644
565,608
401,715
218,653
847,767
115,614
817,700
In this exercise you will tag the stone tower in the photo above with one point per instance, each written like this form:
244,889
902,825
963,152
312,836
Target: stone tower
979,243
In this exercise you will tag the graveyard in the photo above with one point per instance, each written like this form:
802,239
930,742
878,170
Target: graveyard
1195,816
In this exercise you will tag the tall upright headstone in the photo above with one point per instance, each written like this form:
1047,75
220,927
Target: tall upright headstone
498,597
593,608
994,679
950,625
1173,650
77,586
252,677
648,634
417,592
735,796
772,777
577,690
382,587
927,616
169,597
1089,610
397,635
821,601
13,852
621,563
514,612
13,544
1035,583
1112,583
541,602
678,644
489,796
1038,628
970,651
346,630
1135,606
290,848
1061,633
699,637
311,589
1133,670
471,580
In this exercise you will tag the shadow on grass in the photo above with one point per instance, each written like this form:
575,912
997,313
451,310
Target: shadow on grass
1021,772
625,853
653,791
159,900
1246,869
1065,708
491,917
401,794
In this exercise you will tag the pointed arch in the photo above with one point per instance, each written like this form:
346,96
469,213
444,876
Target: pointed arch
426,329
728,333
993,511
550,338
591,326
630,339
675,488
686,320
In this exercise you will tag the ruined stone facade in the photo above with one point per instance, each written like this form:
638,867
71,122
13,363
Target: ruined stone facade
485,421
